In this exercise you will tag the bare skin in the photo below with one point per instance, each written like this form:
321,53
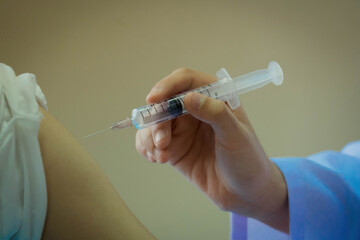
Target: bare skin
219,152
82,204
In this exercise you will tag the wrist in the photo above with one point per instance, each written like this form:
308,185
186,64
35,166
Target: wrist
265,198
272,201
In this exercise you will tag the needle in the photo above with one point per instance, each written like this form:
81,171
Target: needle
97,132
118,125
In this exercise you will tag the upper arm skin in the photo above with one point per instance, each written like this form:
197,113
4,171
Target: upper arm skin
82,204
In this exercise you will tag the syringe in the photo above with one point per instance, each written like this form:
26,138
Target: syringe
226,89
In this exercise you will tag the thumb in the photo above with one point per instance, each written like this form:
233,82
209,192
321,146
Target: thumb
216,113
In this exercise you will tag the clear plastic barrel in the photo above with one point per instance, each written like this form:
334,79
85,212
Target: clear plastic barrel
225,89
148,115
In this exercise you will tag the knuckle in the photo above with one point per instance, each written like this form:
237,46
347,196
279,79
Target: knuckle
141,135
139,145
146,139
183,71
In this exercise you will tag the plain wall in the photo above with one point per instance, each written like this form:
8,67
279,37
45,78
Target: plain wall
96,60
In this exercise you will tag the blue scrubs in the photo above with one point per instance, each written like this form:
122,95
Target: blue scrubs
324,198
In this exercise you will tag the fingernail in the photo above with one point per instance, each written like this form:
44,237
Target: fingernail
157,154
198,100
160,135
150,156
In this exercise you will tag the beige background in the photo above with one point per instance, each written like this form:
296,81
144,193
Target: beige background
96,60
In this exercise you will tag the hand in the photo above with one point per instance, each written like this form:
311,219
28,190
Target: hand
217,149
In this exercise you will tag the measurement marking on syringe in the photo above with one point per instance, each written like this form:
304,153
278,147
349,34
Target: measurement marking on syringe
148,112
155,109
208,92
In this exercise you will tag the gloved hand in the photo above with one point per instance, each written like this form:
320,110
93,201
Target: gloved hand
217,149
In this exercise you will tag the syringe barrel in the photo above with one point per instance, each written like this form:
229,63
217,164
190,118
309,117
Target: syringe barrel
174,107
225,89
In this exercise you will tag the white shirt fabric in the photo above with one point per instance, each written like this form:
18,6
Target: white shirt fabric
23,196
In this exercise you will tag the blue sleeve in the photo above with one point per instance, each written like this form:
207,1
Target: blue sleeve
324,198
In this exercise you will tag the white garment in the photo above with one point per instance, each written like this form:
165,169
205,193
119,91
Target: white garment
23,197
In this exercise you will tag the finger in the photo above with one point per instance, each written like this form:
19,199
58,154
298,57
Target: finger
242,117
216,113
161,134
145,145
180,80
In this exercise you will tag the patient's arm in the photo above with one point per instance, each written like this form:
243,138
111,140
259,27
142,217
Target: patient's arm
82,204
